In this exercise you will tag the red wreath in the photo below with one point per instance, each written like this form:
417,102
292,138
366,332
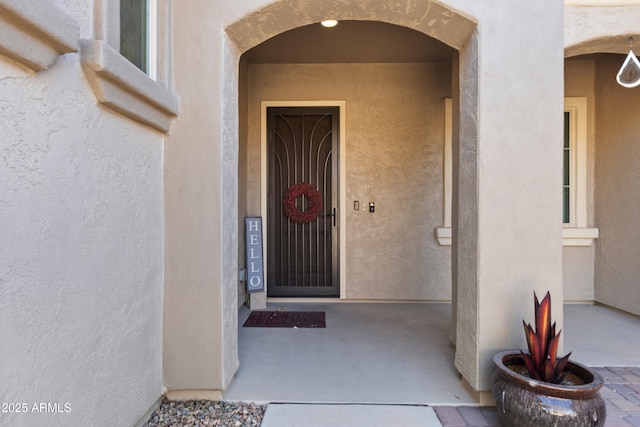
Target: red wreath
289,203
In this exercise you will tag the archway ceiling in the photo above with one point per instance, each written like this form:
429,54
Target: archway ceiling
350,42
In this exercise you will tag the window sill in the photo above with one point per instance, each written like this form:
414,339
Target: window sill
34,33
444,235
120,86
575,236
570,236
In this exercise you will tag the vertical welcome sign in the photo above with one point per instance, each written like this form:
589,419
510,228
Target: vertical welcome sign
255,272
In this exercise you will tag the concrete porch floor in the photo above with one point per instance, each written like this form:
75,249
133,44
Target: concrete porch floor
394,353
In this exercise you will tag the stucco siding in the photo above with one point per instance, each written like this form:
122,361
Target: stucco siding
394,158
81,258
617,195
578,273
120,249
201,160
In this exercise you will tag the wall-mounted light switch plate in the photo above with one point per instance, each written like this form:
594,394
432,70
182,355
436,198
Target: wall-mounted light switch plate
356,205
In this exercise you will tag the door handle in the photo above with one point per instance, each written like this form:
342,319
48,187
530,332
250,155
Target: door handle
333,215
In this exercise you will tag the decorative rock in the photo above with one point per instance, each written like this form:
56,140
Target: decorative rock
203,413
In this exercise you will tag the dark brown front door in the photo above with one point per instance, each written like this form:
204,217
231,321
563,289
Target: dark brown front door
302,257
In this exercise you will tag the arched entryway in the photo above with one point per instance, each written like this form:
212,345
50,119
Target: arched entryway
593,59
391,101
502,247
389,86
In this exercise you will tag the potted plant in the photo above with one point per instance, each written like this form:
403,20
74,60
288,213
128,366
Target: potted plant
539,389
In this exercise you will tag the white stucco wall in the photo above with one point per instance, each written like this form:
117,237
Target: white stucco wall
82,12
81,253
602,26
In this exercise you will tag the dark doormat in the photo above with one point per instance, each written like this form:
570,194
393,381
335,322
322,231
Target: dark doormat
285,319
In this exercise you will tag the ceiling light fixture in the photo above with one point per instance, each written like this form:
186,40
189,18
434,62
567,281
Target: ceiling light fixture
629,74
329,23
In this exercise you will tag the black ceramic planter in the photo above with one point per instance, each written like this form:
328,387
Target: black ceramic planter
524,402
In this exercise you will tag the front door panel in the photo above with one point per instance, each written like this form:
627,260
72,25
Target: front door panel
302,249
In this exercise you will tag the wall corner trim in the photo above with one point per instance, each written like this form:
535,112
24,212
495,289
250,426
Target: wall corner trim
120,86
34,33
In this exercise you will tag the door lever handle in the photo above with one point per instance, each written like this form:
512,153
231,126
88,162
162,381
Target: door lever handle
333,215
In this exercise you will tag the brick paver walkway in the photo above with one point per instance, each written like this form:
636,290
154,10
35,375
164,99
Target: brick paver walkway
621,392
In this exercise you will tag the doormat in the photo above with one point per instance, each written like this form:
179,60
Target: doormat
286,319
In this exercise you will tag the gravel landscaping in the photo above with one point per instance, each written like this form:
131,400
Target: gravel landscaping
205,413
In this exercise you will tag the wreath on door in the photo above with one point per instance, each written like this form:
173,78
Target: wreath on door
289,203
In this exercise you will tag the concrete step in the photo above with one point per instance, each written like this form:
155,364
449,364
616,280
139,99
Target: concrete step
352,415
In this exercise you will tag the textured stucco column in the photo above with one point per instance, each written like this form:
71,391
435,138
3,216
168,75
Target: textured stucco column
508,214
200,305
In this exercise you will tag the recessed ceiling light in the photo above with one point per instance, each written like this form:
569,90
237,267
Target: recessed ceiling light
329,23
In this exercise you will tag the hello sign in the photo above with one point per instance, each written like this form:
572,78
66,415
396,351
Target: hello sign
255,272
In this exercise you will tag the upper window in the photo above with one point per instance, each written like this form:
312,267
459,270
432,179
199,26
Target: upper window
137,33
113,72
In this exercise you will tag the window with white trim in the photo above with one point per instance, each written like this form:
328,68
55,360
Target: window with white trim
567,168
574,191
130,85
576,231
138,33
575,178
444,234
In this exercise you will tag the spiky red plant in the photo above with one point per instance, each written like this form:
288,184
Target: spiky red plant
542,362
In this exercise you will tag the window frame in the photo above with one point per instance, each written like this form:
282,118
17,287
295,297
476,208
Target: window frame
576,232
107,28
151,36
577,109
117,83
